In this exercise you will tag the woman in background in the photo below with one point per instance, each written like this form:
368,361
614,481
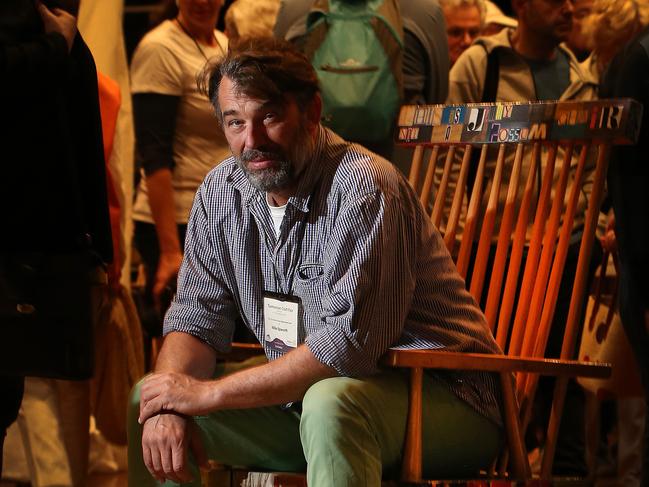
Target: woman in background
177,138
619,30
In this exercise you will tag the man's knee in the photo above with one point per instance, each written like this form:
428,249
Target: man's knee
344,402
133,412
329,398
134,396
329,408
356,424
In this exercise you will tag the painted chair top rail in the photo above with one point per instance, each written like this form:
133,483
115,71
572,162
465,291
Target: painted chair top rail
614,121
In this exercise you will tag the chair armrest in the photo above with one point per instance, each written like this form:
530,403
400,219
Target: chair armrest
438,359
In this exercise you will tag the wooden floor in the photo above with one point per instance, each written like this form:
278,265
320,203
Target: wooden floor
99,480
119,480
108,480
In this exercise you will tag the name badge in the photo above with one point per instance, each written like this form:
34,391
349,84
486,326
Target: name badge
281,321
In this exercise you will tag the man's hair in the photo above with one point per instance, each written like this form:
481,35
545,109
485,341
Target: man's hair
479,4
263,68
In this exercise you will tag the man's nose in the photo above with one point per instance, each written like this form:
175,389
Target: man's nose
256,136
466,38
568,7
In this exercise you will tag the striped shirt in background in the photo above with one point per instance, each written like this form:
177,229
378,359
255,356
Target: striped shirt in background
355,246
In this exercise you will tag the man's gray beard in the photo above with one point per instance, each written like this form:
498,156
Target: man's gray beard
277,178
271,179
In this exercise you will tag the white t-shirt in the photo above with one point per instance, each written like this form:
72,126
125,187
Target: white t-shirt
167,62
277,214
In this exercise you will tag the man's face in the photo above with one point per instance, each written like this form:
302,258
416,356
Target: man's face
271,141
581,11
462,27
202,13
548,19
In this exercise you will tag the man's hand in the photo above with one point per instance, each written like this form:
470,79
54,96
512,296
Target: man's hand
168,267
609,240
165,439
57,20
171,391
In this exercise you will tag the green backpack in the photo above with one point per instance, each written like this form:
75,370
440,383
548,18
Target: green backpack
356,47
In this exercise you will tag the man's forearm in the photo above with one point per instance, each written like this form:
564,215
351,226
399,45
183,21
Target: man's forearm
186,354
278,382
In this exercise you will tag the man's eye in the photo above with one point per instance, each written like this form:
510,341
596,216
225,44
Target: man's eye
270,116
234,123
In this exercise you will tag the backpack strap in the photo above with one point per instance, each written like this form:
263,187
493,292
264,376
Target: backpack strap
317,13
388,27
314,39
316,28
490,88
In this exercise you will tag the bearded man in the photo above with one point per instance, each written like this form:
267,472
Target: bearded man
324,252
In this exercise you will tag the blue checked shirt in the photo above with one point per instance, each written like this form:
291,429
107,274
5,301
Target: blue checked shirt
358,250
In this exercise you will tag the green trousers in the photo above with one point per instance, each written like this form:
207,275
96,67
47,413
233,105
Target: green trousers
350,433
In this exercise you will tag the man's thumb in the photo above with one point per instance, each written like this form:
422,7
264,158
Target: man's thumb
43,10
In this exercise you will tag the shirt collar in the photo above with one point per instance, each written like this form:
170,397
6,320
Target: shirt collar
311,174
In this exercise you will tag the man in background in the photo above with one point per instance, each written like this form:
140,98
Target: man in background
529,63
464,22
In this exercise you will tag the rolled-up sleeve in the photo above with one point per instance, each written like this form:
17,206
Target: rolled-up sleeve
203,306
369,267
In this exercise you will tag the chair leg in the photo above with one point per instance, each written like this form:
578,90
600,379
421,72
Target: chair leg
411,467
593,411
560,389
520,468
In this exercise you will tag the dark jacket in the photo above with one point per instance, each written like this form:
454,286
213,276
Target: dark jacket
52,179
628,174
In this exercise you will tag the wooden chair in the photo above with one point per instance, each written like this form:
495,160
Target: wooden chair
519,313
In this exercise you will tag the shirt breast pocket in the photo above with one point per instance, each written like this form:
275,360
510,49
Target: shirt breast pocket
309,285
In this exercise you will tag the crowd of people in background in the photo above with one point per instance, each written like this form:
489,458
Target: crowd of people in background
538,50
